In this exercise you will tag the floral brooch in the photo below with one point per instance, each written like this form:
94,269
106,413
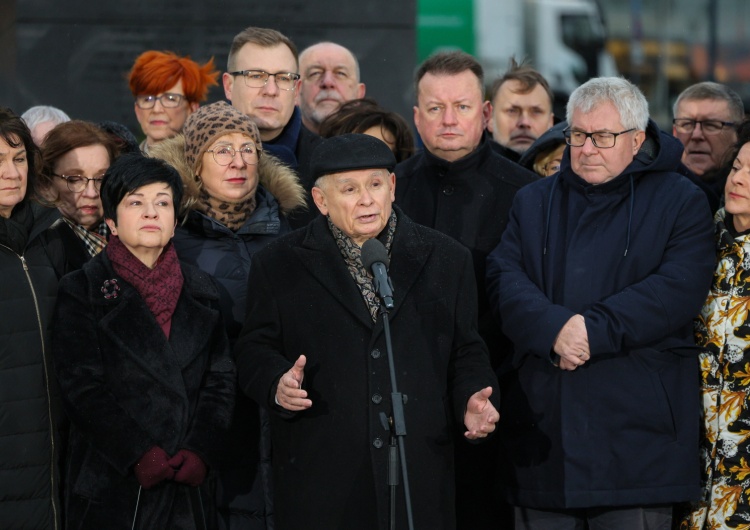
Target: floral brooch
110,289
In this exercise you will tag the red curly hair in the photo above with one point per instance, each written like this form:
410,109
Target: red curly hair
154,72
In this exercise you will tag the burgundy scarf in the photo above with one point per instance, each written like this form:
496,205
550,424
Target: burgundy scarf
160,287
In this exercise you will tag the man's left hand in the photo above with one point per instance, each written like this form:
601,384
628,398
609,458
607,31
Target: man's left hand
480,416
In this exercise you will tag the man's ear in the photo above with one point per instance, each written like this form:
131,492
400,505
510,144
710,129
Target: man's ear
319,196
228,82
486,113
638,138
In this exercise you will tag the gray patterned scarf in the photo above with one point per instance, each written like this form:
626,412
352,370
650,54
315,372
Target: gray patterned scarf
352,254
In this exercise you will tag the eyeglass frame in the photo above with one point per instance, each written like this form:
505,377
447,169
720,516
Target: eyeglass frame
244,74
180,98
97,182
724,125
568,132
234,153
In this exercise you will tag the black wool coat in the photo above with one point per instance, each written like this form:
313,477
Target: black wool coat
126,388
331,461
468,199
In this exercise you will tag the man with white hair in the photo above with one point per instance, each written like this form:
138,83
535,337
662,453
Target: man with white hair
41,119
330,77
597,279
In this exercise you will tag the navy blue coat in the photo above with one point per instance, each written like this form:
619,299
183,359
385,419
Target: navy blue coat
634,256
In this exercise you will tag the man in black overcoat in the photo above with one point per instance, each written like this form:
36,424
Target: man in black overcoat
313,351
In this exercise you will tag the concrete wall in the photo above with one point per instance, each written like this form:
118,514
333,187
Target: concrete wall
75,54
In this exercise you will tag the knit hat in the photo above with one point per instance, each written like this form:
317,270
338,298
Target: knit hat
348,152
210,122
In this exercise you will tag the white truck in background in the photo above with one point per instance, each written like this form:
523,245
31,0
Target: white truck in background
565,40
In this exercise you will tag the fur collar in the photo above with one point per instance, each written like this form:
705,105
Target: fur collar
278,179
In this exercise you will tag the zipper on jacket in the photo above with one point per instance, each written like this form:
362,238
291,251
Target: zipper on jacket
46,384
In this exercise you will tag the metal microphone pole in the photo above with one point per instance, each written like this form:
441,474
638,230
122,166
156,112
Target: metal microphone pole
398,426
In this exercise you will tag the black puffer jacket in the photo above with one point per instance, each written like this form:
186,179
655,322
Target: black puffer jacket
29,443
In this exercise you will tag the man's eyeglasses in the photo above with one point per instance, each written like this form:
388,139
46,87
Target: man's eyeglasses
225,154
602,140
259,78
686,125
168,101
78,183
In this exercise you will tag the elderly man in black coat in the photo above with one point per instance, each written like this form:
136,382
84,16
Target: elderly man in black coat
313,351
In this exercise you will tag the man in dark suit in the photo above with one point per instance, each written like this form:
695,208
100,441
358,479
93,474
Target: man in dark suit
313,351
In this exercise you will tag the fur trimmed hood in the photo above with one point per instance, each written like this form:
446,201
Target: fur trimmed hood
274,176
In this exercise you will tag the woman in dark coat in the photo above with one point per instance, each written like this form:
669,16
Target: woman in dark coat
143,364
29,403
234,208
75,156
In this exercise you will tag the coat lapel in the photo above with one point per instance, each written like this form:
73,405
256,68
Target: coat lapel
127,320
322,258
408,257
189,340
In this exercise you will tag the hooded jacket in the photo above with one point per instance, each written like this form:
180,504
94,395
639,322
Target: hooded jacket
553,137
634,256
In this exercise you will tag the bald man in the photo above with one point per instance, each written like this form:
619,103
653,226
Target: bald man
330,77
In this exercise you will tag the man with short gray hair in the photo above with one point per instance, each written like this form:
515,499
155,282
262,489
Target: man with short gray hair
597,279
706,116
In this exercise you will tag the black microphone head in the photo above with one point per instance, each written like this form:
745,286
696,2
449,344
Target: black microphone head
373,251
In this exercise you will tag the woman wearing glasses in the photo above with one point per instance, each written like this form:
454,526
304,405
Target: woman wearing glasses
167,89
237,199
75,154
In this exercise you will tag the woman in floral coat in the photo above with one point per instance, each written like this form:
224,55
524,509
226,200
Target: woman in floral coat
723,332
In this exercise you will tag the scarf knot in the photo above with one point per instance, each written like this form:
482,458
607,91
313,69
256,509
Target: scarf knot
159,287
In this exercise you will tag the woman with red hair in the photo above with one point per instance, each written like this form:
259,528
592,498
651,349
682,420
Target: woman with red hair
167,89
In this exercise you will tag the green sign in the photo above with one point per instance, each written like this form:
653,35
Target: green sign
444,24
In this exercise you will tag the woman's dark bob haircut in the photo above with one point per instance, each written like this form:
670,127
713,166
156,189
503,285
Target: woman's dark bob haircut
15,133
132,171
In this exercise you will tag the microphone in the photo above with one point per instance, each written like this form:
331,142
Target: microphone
375,259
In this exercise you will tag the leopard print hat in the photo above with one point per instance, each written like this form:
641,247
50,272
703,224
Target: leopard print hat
210,122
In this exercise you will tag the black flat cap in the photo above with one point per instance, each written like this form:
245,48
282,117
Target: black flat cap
351,151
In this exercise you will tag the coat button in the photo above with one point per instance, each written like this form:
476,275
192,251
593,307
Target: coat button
375,354
448,190
377,398
377,443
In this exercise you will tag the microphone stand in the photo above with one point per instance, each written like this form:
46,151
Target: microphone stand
397,429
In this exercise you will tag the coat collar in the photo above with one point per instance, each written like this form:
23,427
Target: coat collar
322,258
464,167
125,317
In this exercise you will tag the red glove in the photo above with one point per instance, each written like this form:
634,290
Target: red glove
153,467
189,468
